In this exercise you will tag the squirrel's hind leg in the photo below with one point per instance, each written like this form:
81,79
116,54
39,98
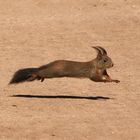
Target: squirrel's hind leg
40,78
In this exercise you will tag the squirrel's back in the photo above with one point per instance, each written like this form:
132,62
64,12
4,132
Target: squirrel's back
62,68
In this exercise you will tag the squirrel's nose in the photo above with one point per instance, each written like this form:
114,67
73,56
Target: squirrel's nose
112,64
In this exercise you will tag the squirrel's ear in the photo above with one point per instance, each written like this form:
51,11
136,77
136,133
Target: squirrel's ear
99,55
103,50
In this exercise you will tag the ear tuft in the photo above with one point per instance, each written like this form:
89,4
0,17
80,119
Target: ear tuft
103,50
99,55
100,49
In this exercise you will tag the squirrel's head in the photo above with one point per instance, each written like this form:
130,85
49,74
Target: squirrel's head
102,60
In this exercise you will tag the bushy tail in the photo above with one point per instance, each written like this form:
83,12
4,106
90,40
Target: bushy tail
22,75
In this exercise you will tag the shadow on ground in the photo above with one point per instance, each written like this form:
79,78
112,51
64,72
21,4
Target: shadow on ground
62,97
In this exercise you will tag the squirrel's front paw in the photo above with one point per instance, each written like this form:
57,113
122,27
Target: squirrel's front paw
116,81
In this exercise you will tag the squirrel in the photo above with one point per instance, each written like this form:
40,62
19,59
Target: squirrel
95,70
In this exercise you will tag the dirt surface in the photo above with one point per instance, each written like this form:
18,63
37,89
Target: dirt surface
35,32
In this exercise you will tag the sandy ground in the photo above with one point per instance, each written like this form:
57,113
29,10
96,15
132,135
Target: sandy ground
35,32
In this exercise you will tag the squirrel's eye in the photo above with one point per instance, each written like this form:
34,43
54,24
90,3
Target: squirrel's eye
105,60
